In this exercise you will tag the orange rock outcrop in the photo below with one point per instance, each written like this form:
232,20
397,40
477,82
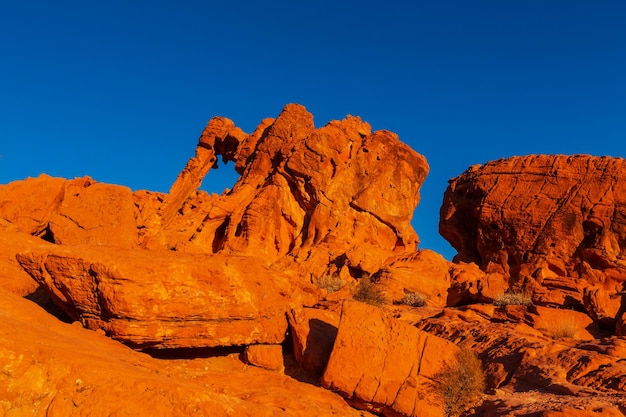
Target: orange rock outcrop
70,212
339,195
163,299
385,364
55,369
555,225
241,302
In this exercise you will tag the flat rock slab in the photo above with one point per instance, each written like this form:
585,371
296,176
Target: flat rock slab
163,299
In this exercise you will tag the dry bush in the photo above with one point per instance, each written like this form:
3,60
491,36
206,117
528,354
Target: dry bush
330,283
520,298
562,329
413,299
369,293
462,385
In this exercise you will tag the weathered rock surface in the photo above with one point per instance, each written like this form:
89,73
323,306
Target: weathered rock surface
186,272
385,364
163,299
71,212
589,412
424,272
26,206
13,278
555,224
313,333
440,282
265,356
532,403
309,201
49,368
529,348
338,195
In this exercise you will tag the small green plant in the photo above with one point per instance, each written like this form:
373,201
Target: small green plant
520,298
330,283
413,299
367,292
462,384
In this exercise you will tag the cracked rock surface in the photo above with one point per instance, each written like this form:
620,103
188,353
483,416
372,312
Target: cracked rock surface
554,224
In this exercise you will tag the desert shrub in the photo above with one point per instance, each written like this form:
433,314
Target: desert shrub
520,298
413,299
462,384
330,283
369,293
562,329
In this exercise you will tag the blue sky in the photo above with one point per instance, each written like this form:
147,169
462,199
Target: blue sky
121,90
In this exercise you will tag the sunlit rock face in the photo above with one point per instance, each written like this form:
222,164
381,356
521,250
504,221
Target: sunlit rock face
247,300
187,269
556,224
338,195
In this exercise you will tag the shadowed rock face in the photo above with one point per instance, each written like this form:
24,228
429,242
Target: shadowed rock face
554,223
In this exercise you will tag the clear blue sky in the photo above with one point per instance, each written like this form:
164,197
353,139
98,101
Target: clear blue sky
121,90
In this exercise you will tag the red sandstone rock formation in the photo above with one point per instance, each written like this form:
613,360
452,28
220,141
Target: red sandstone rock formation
337,195
163,299
61,370
438,281
13,278
554,224
537,348
313,333
588,412
310,201
386,364
265,356
80,211
312,204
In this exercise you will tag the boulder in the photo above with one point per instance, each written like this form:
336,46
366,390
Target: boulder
429,276
92,213
469,285
13,278
423,272
265,356
313,333
555,224
26,206
71,212
152,299
385,364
